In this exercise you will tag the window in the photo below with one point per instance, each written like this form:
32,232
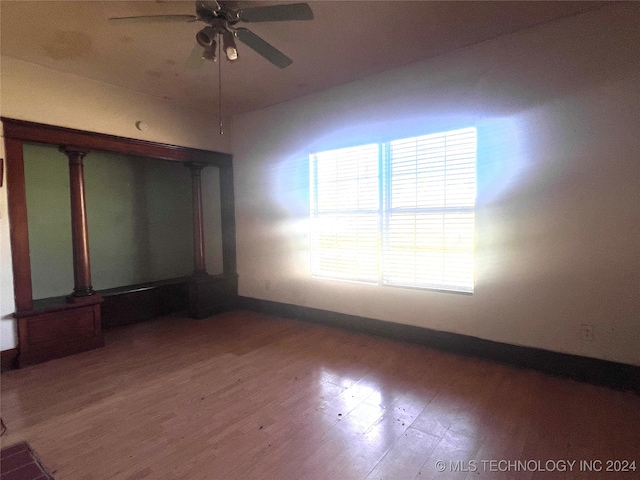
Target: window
397,213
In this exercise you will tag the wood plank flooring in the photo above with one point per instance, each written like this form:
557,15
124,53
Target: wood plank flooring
250,396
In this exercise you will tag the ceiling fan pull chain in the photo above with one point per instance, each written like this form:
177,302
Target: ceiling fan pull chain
220,89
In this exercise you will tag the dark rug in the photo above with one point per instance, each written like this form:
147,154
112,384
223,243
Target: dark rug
18,462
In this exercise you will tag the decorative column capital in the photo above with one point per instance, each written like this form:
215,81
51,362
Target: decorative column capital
75,154
195,168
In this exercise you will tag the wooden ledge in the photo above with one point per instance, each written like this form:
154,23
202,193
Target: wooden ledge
140,287
57,304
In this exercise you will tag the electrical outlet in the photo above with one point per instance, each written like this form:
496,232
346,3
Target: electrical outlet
587,333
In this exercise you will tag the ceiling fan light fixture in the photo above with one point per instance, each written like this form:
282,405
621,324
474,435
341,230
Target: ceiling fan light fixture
229,45
206,37
209,53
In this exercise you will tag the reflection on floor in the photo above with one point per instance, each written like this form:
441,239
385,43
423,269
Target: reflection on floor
249,396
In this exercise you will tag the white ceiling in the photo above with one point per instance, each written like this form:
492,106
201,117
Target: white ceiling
347,40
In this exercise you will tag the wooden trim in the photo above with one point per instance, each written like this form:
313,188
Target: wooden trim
228,220
56,304
615,375
49,134
19,227
9,359
139,287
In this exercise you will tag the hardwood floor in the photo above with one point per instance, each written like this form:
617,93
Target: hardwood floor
249,396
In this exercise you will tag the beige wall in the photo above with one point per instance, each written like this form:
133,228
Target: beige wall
38,94
558,209
34,93
7,304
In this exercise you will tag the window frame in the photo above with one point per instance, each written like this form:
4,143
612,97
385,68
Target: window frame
385,183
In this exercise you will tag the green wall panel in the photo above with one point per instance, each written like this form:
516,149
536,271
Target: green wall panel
49,219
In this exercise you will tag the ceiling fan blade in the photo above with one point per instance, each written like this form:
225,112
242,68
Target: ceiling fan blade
268,51
276,13
212,6
154,18
195,60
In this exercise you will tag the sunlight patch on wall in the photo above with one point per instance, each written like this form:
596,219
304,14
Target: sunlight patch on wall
502,163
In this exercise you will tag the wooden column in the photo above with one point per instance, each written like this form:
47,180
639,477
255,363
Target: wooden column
19,231
206,292
79,229
198,222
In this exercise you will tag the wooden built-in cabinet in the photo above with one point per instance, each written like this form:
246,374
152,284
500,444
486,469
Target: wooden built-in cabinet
61,326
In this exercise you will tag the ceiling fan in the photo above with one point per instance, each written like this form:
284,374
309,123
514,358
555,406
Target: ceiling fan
221,19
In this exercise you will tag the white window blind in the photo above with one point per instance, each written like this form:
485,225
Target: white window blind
398,213
345,213
429,219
